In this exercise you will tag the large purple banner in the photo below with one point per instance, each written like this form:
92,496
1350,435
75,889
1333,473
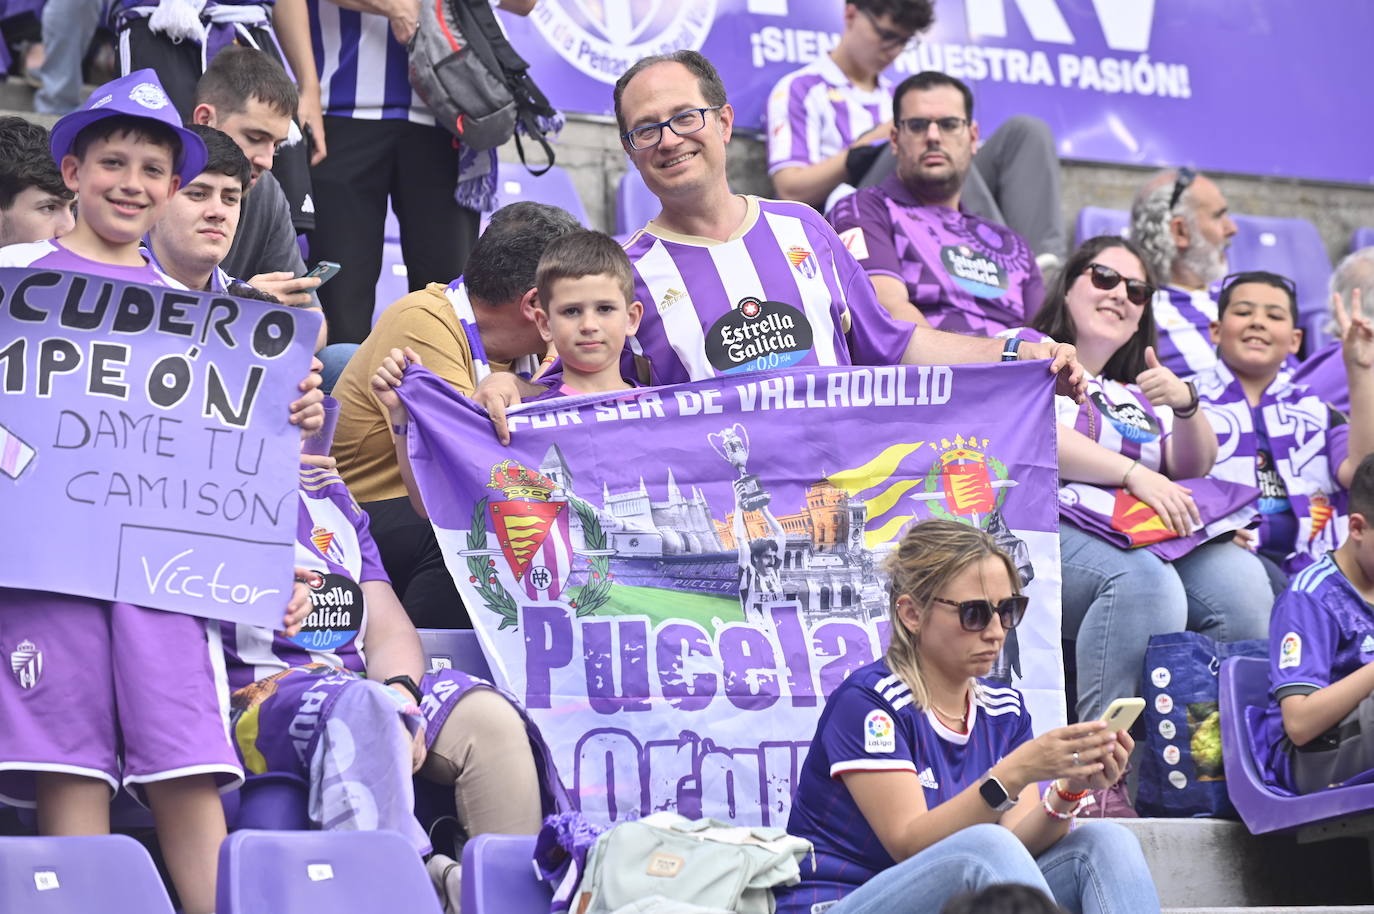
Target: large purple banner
145,450
1129,81
673,580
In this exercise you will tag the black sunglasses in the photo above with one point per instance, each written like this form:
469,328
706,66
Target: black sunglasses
1185,178
974,615
1138,292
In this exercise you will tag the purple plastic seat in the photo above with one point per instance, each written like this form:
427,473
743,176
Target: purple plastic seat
455,649
499,876
1245,683
635,205
342,872
554,187
111,874
1363,238
1098,220
1292,248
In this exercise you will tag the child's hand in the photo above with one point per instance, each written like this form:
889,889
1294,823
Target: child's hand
322,461
298,609
308,412
389,376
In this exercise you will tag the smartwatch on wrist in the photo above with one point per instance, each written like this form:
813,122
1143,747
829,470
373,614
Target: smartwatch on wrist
406,683
995,795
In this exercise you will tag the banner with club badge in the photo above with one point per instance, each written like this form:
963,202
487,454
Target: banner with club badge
673,579
145,450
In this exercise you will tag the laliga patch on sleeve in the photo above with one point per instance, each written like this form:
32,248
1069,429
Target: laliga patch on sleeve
1290,651
879,735
855,242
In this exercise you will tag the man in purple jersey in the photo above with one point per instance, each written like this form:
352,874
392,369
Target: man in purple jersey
1181,221
732,283
1323,371
1318,730
931,261
824,119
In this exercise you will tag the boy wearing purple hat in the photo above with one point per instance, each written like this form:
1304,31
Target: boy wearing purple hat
89,707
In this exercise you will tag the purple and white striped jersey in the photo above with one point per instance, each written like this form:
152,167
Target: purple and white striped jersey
782,291
965,273
1120,418
1183,320
52,255
1321,630
870,724
816,112
332,538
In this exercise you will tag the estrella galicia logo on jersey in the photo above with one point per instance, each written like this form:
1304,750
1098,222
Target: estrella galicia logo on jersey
879,734
974,273
757,335
1130,421
802,260
26,663
336,614
603,39
327,542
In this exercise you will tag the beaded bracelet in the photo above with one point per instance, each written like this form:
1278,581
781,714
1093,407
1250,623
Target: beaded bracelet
1083,803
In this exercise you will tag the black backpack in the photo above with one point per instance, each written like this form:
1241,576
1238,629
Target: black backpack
478,86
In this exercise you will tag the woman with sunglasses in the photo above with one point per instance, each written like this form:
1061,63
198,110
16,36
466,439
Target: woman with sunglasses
1138,430
924,781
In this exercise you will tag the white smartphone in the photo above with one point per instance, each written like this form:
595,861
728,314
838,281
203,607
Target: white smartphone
1121,713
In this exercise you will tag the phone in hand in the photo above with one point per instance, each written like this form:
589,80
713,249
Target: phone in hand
1121,713
325,270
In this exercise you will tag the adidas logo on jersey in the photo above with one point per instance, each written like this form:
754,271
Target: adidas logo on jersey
670,298
927,779
307,205
1367,645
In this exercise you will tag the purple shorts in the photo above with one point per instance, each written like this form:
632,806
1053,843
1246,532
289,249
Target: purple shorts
109,691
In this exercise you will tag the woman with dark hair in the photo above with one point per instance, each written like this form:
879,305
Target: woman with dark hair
923,779
1120,454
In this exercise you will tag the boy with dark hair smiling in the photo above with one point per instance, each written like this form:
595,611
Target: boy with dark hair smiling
34,203
1279,436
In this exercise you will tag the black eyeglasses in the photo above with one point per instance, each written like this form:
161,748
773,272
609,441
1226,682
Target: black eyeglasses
948,125
887,37
1138,292
974,615
650,135
1185,178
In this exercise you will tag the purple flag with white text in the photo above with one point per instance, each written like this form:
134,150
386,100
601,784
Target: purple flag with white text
145,450
673,579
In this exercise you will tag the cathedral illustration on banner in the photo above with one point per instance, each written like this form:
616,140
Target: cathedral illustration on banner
678,544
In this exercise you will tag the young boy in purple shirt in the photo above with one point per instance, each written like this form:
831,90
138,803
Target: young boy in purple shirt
1318,730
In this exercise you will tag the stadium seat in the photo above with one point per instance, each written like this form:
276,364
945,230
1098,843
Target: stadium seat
454,649
1097,220
554,187
111,874
499,876
1293,248
342,872
1245,684
1363,238
275,800
634,204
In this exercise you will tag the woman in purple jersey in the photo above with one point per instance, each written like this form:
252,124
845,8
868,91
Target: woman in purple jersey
1120,454
923,778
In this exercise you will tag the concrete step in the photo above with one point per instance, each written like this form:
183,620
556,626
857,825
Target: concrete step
1216,865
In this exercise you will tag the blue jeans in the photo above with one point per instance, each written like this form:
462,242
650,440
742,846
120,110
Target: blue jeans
1114,599
68,26
1097,868
335,358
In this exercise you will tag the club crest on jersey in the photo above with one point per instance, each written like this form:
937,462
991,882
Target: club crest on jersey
26,663
879,734
327,542
802,260
1290,650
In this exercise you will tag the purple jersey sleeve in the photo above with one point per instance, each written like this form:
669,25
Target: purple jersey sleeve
1337,441
863,733
864,224
875,336
1303,638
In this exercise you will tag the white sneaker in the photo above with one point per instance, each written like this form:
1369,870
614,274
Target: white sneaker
447,876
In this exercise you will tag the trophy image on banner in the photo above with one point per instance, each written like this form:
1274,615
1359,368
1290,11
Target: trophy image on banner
733,444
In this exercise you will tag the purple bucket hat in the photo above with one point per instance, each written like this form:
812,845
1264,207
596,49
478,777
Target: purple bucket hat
140,94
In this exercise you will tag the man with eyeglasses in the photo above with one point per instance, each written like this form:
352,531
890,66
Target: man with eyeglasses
733,283
1181,221
827,127
931,261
